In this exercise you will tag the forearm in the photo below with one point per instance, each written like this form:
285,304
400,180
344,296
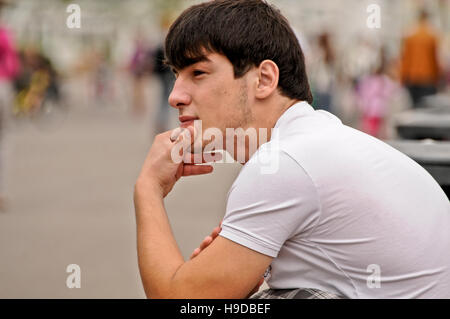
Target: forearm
158,254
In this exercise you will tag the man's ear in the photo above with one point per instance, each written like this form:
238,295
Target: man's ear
268,75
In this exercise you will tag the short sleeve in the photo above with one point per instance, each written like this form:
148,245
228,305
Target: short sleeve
266,207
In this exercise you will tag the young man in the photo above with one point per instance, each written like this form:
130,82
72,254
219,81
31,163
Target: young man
341,212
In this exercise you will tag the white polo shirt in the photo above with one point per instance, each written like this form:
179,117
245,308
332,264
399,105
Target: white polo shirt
341,211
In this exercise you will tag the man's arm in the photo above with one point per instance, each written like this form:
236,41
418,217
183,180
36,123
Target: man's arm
223,270
158,254
207,241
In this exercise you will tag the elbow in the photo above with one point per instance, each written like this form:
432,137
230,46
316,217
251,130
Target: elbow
172,289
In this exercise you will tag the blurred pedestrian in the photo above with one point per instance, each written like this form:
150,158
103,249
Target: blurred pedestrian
373,94
9,67
36,84
323,74
165,76
420,69
102,75
359,59
141,66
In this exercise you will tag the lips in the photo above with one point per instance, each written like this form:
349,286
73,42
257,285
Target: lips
187,124
187,121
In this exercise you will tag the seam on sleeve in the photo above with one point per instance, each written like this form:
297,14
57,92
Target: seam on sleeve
249,240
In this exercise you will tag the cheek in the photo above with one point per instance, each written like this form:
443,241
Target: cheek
217,107
217,104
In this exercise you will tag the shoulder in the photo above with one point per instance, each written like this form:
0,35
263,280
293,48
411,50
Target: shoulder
269,204
272,173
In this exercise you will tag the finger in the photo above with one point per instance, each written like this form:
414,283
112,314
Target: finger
176,133
206,242
195,253
215,232
189,133
183,134
186,136
191,158
195,137
190,169
180,148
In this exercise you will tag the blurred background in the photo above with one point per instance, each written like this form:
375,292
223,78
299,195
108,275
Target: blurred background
79,107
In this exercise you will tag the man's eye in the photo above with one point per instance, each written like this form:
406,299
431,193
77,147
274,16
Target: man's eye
198,72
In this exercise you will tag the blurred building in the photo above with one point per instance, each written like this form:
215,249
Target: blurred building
44,22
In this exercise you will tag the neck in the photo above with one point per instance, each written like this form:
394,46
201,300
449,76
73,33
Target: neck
265,118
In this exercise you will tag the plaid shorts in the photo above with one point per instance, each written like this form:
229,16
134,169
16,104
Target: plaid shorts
300,293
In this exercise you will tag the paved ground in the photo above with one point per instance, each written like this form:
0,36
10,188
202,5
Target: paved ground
69,185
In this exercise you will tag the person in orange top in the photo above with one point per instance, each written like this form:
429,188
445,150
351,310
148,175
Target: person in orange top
420,70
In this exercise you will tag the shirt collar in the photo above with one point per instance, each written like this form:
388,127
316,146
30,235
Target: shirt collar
298,109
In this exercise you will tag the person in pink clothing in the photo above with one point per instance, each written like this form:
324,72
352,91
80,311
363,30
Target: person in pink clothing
9,60
9,68
373,96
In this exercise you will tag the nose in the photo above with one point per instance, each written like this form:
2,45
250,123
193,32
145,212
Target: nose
179,96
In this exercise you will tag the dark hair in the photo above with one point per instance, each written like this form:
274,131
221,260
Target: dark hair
247,32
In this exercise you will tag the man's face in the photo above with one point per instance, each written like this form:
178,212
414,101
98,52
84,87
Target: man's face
208,91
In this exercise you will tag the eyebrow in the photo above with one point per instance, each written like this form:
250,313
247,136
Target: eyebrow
202,58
